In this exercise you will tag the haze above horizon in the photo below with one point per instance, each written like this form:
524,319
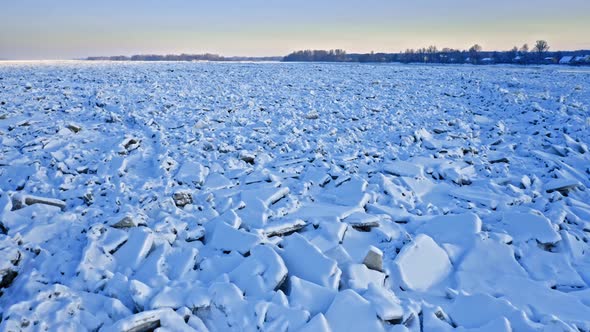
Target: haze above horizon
66,29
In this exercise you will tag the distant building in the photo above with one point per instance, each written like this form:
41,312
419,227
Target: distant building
566,60
582,59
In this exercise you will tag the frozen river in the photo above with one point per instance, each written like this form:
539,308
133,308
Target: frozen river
287,196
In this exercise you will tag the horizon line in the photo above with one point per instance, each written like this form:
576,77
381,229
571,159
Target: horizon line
259,56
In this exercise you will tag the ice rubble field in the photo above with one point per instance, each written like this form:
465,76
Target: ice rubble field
286,197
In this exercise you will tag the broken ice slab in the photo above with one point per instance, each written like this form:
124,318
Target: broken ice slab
278,317
316,176
351,312
422,264
254,215
362,220
575,145
316,267
374,259
359,277
328,234
110,239
229,217
318,323
479,195
75,128
291,161
216,181
85,310
527,226
191,173
227,238
562,185
257,176
147,321
554,268
403,168
325,210
128,220
132,253
466,311
310,296
268,195
257,199
168,297
283,227
180,261
451,228
350,192
20,201
262,272
475,274
385,302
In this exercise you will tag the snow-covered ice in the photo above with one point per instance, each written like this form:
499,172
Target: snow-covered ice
285,197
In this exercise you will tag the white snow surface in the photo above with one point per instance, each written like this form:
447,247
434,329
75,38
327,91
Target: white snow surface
246,197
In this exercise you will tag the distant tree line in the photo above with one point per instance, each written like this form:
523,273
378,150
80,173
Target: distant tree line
181,57
539,54
318,55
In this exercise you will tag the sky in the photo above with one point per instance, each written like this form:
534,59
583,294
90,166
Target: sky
68,29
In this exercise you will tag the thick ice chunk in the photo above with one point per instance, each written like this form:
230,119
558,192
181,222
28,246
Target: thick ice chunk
309,296
349,193
135,249
228,238
527,226
374,259
316,267
284,227
150,320
422,264
477,310
19,201
261,272
359,277
317,324
350,312
403,168
191,173
458,229
362,220
562,185
386,304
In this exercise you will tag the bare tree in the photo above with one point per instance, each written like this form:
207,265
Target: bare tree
475,48
524,48
473,53
541,47
512,55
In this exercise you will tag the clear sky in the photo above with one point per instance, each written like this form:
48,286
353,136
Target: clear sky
65,29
